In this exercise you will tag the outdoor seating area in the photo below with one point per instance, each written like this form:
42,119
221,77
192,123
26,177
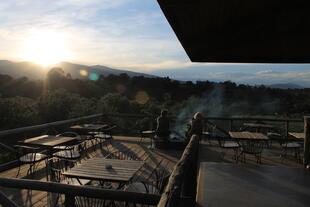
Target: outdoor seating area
116,163
267,139
90,164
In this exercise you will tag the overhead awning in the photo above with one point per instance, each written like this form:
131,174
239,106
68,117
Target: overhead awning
241,31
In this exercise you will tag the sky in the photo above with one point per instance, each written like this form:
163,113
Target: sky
126,34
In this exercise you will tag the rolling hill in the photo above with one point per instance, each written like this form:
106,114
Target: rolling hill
34,71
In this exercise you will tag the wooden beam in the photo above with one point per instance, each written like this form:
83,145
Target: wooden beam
172,194
6,202
85,191
46,125
307,142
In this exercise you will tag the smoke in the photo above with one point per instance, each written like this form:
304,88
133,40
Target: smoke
222,103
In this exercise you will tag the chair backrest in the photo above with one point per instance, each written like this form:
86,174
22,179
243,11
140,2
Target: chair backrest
122,155
251,146
162,178
68,134
221,142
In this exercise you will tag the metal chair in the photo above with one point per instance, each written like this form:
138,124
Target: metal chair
230,145
251,147
69,154
122,155
154,183
293,147
105,135
28,155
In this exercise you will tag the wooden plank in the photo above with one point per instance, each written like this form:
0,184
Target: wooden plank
47,125
248,135
172,194
85,191
122,170
48,141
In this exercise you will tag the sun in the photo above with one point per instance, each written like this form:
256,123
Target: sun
45,47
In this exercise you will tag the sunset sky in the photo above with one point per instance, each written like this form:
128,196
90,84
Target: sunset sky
127,34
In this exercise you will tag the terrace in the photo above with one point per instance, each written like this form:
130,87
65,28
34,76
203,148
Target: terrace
192,176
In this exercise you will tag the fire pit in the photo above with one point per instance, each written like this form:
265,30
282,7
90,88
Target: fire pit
173,142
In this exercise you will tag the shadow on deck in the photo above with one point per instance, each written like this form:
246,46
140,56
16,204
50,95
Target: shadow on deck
166,158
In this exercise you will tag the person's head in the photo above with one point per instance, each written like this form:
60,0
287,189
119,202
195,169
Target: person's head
198,116
164,113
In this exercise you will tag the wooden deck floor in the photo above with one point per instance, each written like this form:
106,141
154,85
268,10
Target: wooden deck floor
211,152
140,149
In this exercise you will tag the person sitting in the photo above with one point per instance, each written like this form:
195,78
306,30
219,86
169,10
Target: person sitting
162,129
195,126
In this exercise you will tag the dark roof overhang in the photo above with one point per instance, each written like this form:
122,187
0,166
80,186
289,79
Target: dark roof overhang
241,31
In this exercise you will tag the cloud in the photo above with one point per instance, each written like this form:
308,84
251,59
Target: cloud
122,33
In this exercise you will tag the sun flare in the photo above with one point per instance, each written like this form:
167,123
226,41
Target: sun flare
45,47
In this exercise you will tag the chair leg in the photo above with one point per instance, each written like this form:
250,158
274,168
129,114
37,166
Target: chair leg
236,155
19,166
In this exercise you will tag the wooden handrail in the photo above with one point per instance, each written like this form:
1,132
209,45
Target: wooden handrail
85,191
172,194
46,125
253,119
5,201
128,115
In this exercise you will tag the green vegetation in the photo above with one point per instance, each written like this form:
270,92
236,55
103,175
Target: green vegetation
26,102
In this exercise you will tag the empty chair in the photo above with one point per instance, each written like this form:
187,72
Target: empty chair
122,155
230,145
28,155
251,147
70,152
291,147
105,135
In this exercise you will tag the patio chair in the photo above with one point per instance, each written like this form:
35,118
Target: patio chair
229,145
105,135
28,155
291,147
72,151
122,155
91,202
154,183
251,147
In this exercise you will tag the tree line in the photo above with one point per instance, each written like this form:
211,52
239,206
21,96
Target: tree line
26,102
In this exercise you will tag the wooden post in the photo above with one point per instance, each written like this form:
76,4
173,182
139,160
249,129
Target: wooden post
151,123
307,141
230,125
286,128
69,201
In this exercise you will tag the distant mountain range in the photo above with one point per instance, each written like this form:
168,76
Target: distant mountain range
35,71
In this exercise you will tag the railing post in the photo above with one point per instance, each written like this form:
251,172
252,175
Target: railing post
230,125
286,128
151,123
307,141
69,200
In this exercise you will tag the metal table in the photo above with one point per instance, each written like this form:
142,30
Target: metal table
248,136
47,141
85,128
297,135
230,185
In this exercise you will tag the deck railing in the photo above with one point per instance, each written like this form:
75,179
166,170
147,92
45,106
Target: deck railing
181,188
226,124
70,192
132,124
